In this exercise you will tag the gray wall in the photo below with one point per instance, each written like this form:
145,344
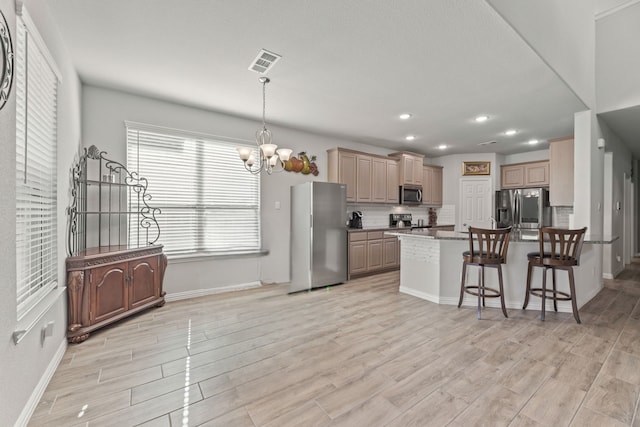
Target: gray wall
106,110
26,366
618,59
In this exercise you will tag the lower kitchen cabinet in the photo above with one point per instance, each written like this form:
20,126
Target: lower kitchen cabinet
371,252
358,256
391,252
105,285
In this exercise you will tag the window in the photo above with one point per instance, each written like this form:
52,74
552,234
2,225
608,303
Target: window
36,173
210,204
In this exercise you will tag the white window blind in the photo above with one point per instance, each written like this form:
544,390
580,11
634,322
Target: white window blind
210,204
36,87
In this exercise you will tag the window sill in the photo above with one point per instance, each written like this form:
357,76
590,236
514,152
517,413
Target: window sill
35,315
176,259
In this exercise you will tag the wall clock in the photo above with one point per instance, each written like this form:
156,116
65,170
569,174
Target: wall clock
6,61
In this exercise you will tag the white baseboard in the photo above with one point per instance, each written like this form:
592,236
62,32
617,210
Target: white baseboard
202,292
39,390
607,276
421,295
535,304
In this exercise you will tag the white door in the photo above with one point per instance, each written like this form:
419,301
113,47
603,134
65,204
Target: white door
475,203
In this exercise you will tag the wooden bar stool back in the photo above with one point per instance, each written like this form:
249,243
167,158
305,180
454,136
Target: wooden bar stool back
487,248
565,247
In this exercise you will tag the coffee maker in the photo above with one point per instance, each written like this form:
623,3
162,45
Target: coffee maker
356,219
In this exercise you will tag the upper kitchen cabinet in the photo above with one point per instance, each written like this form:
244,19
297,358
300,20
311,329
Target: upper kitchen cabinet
393,183
410,167
561,172
369,178
521,175
364,187
341,168
432,185
384,180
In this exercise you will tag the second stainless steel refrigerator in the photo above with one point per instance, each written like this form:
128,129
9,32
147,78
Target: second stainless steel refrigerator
318,235
523,208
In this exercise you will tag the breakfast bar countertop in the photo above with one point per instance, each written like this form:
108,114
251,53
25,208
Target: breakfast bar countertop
516,236
400,229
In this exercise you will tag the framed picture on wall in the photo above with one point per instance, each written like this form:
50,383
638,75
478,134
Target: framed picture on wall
476,168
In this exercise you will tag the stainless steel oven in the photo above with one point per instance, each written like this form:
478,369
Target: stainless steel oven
410,195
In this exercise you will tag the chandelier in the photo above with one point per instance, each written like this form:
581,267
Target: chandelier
269,158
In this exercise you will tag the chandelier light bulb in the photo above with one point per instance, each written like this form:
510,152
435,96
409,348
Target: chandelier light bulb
284,153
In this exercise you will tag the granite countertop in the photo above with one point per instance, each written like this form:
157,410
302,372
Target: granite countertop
399,229
516,236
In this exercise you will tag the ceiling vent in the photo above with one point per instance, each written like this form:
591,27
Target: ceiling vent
487,143
264,61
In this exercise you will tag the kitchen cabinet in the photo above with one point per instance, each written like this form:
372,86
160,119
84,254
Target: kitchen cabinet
522,175
432,185
341,168
363,178
561,172
369,178
410,167
372,252
393,185
357,253
107,284
391,252
378,180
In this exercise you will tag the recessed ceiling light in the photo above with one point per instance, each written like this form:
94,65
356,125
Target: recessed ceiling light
481,119
405,116
410,137
533,142
442,147
510,132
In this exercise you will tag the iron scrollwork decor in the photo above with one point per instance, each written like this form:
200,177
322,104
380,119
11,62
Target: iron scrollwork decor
141,227
6,61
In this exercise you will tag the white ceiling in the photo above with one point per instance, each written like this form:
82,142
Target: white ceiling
348,68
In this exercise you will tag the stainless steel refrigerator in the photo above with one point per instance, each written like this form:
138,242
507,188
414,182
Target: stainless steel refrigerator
523,208
318,235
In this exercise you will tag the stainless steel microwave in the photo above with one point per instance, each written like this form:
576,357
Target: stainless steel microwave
410,194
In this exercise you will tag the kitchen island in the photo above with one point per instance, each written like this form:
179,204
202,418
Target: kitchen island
431,269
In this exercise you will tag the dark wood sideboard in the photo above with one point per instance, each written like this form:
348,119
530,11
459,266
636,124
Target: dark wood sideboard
109,283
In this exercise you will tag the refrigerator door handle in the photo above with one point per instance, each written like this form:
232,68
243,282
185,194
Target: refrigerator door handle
516,208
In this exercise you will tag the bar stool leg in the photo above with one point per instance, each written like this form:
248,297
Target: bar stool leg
480,289
544,292
572,289
555,302
483,283
504,309
462,283
526,293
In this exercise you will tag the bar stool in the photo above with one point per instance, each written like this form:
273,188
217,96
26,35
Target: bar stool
490,252
564,253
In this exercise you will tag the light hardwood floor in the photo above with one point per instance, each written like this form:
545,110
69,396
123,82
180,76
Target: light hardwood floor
358,354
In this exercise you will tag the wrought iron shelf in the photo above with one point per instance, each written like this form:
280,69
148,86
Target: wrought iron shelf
113,211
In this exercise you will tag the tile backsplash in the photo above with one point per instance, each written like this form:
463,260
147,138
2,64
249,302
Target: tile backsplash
560,216
378,215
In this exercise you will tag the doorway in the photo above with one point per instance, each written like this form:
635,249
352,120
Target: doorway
628,231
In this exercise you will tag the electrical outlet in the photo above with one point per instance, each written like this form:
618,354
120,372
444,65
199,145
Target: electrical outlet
277,205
